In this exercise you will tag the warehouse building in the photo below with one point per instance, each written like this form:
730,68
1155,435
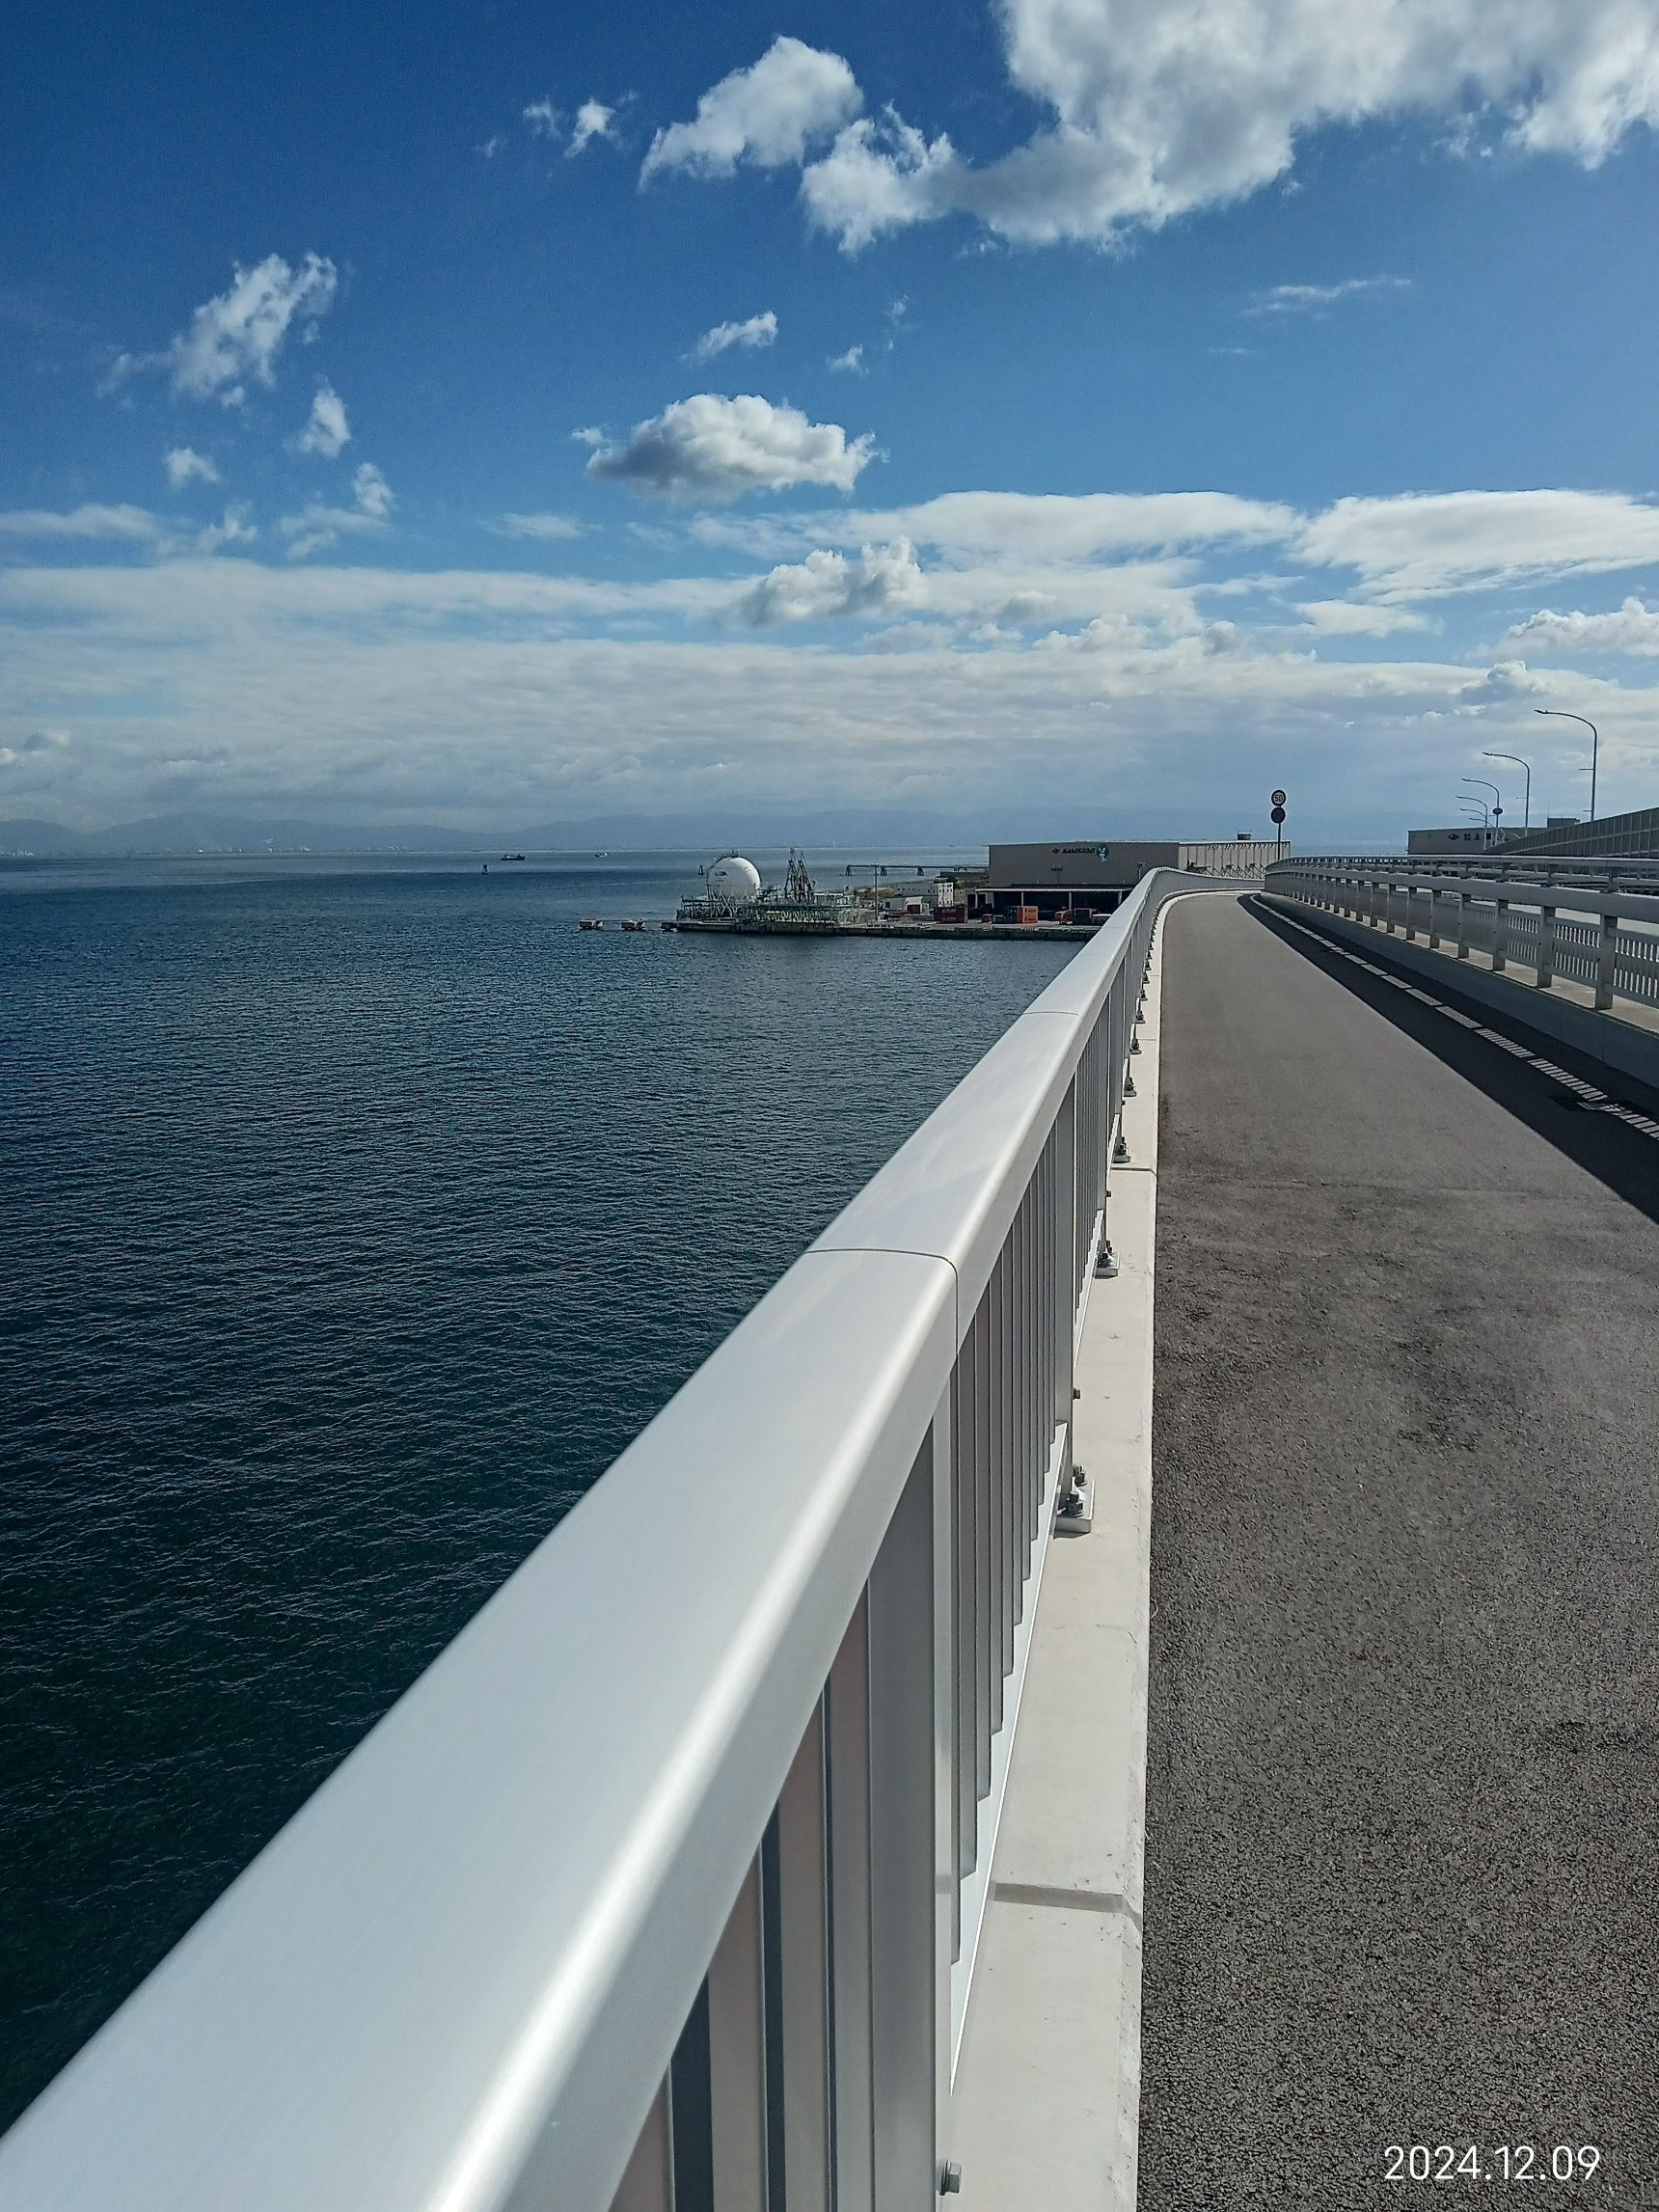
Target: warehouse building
1050,883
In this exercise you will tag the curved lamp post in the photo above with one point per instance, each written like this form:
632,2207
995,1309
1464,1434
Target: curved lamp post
1497,813
1562,715
1527,798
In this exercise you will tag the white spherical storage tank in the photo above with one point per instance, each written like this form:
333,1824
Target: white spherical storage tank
734,878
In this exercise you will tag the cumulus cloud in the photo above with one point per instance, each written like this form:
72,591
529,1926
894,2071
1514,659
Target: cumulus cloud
183,466
1421,544
240,335
758,330
884,580
1309,299
1633,629
133,524
768,114
1502,685
318,524
543,526
326,433
543,118
1154,110
707,447
234,528
593,120
848,364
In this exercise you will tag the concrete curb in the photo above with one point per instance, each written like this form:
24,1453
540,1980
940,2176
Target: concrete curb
1047,2090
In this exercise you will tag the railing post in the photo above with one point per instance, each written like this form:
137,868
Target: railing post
909,1829
1606,961
1462,925
1410,911
1434,917
1545,975
1500,936
1388,907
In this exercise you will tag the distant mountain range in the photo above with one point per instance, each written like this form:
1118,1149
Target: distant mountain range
862,828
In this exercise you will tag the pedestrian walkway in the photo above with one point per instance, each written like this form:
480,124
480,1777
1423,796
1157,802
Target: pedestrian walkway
1402,1850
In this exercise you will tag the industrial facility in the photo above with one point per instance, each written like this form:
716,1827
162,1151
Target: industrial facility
1083,881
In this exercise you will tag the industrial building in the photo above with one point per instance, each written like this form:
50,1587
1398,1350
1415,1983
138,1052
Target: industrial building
1615,837
1475,839
1052,881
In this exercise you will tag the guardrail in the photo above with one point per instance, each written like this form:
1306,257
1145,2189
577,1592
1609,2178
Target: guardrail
662,1888
1637,875
1558,929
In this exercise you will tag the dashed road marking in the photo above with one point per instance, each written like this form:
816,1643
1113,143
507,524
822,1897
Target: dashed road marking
1584,1095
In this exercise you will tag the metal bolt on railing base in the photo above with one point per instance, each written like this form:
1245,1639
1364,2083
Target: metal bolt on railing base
1119,1153
1075,1513
1106,1261
949,2178
1130,1091
1134,1044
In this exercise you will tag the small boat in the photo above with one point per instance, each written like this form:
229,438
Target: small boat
633,925
589,923
513,856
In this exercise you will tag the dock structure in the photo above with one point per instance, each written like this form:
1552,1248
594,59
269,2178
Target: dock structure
911,1773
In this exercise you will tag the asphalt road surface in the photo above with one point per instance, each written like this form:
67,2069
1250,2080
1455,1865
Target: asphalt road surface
1403,1876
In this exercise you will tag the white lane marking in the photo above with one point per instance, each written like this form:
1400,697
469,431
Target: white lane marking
1592,1100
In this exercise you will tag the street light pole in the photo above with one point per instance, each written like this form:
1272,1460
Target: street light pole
1497,815
1526,800
1562,715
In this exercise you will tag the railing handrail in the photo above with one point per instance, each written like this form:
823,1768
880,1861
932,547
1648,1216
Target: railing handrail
1514,891
453,1979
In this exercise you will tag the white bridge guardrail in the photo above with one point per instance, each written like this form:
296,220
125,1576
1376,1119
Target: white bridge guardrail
1559,928
660,1888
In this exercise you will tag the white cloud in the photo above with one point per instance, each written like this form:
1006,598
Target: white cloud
1358,619
235,529
543,526
1502,685
849,364
289,686
131,523
591,436
543,118
1421,544
758,330
766,114
708,448
1633,629
318,526
327,433
880,174
1309,299
239,333
884,580
1155,109
183,466
1026,526
593,120
491,146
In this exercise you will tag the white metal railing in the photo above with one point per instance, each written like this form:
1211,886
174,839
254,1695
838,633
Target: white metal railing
1602,938
662,1887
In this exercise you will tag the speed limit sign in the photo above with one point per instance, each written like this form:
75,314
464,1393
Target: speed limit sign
1278,798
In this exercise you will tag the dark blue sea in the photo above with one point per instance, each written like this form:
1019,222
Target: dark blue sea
353,1216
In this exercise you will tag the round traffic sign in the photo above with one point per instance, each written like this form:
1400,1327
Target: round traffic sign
1278,798
1277,815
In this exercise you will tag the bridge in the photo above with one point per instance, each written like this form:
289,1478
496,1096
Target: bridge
997,1735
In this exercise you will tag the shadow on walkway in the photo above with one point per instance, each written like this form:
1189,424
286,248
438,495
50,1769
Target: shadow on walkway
1624,1157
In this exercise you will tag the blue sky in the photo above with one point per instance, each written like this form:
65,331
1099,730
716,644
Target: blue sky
1105,409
